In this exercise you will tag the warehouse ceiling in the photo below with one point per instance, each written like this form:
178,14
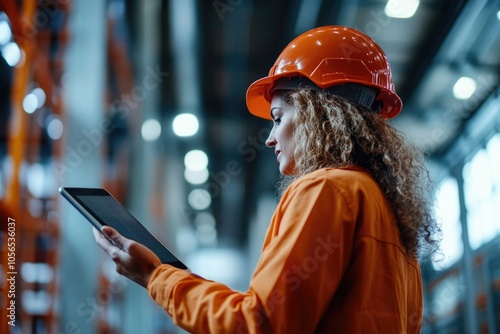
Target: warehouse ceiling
232,43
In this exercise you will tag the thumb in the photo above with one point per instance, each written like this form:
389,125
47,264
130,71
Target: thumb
113,234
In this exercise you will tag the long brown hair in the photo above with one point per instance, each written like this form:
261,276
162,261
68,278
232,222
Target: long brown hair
333,132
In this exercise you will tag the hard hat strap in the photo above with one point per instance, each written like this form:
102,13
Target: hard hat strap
360,94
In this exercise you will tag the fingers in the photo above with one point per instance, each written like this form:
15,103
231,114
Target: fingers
132,259
104,243
119,240
118,246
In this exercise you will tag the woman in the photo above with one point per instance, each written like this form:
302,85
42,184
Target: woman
340,255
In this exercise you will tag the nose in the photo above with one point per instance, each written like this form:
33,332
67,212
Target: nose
271,141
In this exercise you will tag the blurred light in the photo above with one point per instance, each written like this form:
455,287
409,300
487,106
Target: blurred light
11,53
35,178
40,95
40,180
204,218
36,302
447,212
30,103
7,167
196,176
151,130
185,125
464,88
447,295
225,265
498,15
480,199
401,9
55,128
5,33
2,184
36,272
199,199
207,235
205,229
35,207
196,160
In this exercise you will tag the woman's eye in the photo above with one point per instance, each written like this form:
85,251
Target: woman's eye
277,120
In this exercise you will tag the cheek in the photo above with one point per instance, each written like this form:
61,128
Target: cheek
290,141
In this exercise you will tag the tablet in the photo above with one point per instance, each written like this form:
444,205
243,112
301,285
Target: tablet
100,208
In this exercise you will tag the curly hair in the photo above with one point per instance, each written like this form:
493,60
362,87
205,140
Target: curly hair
330,131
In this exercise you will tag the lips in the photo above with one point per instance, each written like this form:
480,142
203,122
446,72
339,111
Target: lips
278,153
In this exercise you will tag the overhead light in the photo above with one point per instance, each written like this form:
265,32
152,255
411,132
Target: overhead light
11,54
185,125
498,15
30,103
196,160
36,272
207,236
40,95
199,199
196,176
5,33
40,180
401,9
205,229
204,219
55,128
464,88
34,100
151,130
36,302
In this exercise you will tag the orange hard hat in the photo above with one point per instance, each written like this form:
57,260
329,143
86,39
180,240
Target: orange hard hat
325,58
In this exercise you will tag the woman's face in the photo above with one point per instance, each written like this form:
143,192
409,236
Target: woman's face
281,136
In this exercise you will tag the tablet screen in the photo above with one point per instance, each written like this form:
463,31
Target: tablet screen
108,211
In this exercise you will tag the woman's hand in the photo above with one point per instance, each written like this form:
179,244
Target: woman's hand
133,260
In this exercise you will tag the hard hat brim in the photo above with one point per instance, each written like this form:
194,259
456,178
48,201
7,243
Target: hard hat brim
258,97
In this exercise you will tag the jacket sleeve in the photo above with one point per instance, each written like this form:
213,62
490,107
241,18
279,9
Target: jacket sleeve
202,306
306,251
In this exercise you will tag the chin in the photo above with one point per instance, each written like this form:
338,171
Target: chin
287,170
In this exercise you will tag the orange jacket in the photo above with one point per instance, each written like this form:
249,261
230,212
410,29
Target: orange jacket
332,262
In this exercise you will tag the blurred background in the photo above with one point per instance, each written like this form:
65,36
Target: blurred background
147,99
